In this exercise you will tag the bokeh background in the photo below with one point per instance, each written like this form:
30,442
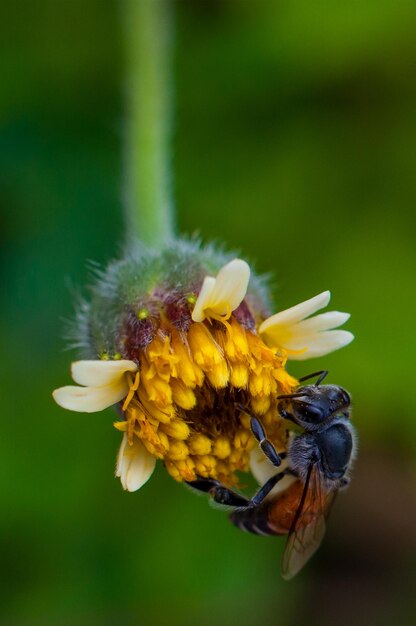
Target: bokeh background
295,143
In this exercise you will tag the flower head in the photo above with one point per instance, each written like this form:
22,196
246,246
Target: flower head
181,341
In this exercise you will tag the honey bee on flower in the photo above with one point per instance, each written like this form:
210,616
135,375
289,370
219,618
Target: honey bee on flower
180,341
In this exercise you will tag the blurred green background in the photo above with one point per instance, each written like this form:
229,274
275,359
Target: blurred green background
295,143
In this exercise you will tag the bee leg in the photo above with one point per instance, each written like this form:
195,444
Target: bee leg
267,487
260,434
266,445
204,484
223,495
219,493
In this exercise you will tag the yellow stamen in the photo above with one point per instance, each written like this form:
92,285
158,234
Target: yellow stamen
177,429
133,388
239,375
222,447
181,470
205,350
205,464
199,444
218,376
242,438
178,451
182,395
260,405
187,370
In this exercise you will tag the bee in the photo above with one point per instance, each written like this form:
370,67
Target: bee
318,459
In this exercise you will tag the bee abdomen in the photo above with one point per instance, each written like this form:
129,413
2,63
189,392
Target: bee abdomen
254,520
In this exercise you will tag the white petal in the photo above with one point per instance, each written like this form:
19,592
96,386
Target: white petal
260,466
98,373
321,344
324,321
224,293
231,284
297,336
135,465
203,299
262,470
90,399
119,464
298,312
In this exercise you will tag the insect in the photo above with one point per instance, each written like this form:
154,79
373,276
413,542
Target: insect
318,459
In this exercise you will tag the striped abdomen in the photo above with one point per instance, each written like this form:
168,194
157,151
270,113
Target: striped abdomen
272,517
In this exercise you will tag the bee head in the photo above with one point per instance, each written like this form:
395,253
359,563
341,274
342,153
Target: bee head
312,404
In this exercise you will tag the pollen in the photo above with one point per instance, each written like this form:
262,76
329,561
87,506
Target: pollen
187,402
191,298
142,314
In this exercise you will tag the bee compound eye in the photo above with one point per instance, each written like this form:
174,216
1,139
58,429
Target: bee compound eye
346,397
309,413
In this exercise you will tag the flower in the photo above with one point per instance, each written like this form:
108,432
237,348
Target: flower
305,338
181,341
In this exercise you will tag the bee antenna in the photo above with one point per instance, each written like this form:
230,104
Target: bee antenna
291,395
321,374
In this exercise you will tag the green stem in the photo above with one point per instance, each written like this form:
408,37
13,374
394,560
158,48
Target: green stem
148,37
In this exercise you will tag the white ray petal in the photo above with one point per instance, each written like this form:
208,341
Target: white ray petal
90,399
319,323
231,284
260,466
298,312
203,299
321,344
96,373
221,295
135,465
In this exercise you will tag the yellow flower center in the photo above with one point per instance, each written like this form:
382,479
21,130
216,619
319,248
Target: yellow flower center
185,401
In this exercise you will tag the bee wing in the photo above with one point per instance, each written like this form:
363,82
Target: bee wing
308,527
